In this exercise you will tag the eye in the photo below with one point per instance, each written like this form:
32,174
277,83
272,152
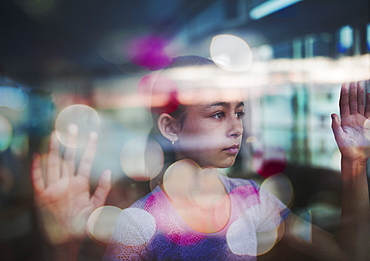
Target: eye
240,114
218,115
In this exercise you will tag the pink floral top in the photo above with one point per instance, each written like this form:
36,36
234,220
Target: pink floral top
152,230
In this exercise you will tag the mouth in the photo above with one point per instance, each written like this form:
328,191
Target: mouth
234,149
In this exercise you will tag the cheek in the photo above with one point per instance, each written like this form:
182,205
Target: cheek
200,140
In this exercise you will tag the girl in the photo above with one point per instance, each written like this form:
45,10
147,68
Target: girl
195,213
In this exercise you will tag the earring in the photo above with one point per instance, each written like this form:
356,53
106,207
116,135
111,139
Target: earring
173,143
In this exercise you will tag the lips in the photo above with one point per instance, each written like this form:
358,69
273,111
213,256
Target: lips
234,149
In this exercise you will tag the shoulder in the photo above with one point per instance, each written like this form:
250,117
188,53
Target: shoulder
148,199
236,184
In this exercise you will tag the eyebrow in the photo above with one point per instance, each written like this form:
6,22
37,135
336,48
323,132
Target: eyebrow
224,104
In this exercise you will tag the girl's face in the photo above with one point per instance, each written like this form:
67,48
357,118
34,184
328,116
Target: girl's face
211,134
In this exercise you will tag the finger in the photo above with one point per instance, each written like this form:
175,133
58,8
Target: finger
70,151
53,161
353,105
36,175
361,98
88,156
102,191
344,100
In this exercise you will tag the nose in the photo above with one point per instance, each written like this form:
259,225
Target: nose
236,127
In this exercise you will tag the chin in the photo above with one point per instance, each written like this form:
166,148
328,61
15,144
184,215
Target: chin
220,163
217,165
226,164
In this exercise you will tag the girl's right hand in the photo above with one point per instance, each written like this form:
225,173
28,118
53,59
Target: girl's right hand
62,191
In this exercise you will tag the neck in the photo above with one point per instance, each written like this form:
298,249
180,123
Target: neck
185,181
208,189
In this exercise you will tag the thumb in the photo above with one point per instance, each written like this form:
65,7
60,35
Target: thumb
336,125
335,121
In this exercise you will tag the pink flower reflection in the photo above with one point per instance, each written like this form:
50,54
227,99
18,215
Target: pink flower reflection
149,52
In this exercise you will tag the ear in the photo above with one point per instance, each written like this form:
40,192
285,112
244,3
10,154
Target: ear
168,126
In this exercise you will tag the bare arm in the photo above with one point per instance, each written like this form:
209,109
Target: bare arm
62,194
350,131
352,135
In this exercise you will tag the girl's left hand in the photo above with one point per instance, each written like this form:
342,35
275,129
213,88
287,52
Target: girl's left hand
352,129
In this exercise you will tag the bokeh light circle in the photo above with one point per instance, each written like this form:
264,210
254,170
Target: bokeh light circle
84,117
280,186
20,145
13,98
135,227
208,191
179,178
231,53
326,215
325,207
6,133
266,241
251,139
101,223
301,226
141,158
241,238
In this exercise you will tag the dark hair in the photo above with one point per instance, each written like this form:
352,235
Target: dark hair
180,112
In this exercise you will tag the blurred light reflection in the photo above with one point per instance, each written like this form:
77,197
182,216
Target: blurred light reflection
239,237
241,233
20,145
231,53
269,7
135,227
101,223
251,139
301,227
263,74
6,133
325,207
159,92
269,161
266,241
179,179
345,38
84,117
149,52
280,186
207,192
13,98
141,159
